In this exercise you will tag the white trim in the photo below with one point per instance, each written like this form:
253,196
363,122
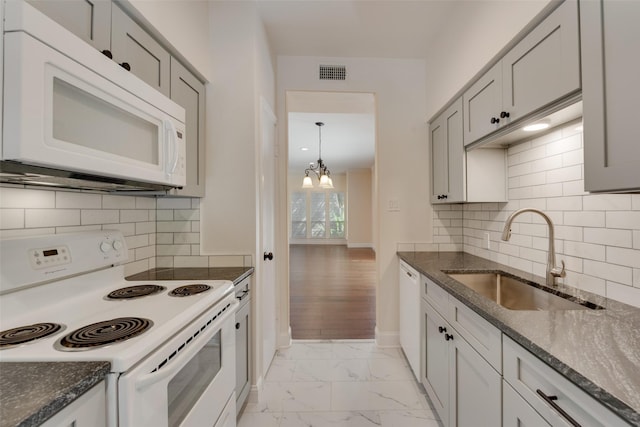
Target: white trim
360,245
387,339
284,339
318,241
255,392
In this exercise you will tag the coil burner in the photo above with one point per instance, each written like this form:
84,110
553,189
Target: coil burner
24,334
188,290
132,292
104,333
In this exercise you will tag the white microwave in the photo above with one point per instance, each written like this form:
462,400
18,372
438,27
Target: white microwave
70,109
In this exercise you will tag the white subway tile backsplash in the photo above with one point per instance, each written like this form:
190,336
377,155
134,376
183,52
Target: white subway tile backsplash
145,252
626,294
11,218
607,202
191,261
164,250
597,235
99,216
608,236
18,198
177,203
186,238
145,203
186,215
621,219
164,215
71,200
138,241
35,218
134,215
173,226
118,202
148,227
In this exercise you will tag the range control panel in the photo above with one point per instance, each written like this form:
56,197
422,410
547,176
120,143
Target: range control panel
49,257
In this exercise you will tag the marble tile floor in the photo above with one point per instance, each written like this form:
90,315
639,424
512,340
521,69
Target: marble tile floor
339,384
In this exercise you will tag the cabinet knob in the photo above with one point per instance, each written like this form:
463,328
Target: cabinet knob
442,329
448,337
268,256
495,120
444,196
107,53
504,114
126,66
237,325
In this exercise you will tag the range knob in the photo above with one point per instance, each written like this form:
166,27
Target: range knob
117,245
105,246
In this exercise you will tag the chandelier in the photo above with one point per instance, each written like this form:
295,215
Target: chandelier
319,168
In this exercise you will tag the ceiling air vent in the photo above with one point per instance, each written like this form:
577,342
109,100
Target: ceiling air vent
333,72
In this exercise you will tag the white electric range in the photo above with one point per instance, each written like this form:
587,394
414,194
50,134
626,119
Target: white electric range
171,344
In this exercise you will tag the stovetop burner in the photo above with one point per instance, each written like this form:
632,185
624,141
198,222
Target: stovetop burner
138,291
103,333
188,290
24,334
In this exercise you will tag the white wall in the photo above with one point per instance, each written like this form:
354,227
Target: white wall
359,208
401,153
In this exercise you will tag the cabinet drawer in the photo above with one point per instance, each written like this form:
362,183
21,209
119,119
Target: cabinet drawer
527,374
437,297
485,338
516,412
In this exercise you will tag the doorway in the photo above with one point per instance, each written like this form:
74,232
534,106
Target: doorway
332,264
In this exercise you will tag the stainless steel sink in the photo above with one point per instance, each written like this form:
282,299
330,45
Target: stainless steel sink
514,294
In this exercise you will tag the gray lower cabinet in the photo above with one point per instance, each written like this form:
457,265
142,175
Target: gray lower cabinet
610,69
134,49
189,92
243,344
88,19
540,71
516,412
463,386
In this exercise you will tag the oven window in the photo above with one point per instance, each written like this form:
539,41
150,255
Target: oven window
187,386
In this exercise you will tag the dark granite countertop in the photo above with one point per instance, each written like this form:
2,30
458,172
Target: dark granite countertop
235,274
598,350
32,392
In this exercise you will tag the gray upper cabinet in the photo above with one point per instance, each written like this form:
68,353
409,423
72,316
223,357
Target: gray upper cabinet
478,175
88,19
145,57
447,156
189,92
610,70
539,71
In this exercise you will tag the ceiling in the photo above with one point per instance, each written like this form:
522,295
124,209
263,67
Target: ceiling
355,28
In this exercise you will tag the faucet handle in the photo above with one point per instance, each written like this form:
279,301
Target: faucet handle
557,271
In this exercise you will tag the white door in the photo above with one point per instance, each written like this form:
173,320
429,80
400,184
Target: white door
267,217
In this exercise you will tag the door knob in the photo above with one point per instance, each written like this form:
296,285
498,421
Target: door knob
268,256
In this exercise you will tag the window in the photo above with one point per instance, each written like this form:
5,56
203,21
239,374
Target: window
318,215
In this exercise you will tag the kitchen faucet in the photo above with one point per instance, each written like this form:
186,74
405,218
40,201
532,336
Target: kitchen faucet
553,271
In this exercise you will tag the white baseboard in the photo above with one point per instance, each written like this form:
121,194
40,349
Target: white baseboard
387,339
284,339
360,245
255,391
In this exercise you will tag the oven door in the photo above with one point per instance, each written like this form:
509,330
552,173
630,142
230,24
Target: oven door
188,380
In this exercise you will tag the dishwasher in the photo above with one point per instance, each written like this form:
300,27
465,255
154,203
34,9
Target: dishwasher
243,341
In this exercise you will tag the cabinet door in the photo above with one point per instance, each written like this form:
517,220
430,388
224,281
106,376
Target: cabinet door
516,412
475,391
88,19
545,65
88,410
610,69
482,104
132,45
242,354
436,374
189,92
447,156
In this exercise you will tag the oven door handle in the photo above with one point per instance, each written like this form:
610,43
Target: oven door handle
184,356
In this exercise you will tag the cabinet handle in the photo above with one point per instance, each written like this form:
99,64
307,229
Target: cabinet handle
267,256
448,337
504,114
442,329
126,66
554,405
107,53
495,120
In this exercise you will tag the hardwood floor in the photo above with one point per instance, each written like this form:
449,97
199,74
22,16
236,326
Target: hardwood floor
332,292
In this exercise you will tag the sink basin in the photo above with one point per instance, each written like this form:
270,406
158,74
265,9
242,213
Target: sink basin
514,294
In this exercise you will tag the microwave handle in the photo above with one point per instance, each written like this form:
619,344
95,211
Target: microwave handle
172,143
181,359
